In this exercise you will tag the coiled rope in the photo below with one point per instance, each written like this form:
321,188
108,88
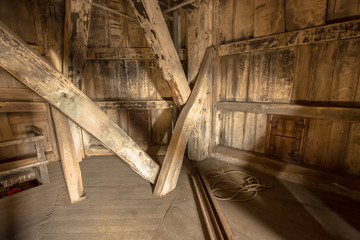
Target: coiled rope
229,186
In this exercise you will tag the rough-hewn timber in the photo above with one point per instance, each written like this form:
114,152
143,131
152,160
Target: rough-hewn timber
171,167
152,21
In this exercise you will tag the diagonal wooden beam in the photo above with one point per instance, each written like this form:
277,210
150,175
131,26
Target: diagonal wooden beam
31,69
152,21
171,167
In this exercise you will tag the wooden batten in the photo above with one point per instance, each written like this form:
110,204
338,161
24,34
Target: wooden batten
134,104
332,113
336,31
152,21
171,167
22,107
36,73
119,53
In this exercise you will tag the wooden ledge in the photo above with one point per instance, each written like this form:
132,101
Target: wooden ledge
333,113
330,32
344,184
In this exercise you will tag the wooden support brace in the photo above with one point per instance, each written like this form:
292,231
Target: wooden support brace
152,21
32,70
171,167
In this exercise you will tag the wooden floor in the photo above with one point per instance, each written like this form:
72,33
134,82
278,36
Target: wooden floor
120,205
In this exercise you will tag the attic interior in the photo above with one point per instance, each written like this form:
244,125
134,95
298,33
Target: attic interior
179,119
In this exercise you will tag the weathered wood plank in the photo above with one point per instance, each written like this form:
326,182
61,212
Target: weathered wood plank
322,73
304,14
338,9
249,132
304,63
22,107
21,141
333,113
119,53
152,21
243,19
268,17
226,21
271,76
18,59
22,168
346,73
330,32
134,104
260,135
317,142
171,167
337,146
352,160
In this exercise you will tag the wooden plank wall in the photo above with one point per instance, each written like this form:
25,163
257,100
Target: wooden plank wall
16,124
319,74
126,78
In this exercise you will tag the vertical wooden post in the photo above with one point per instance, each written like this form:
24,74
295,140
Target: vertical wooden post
76,32
40,152
70,165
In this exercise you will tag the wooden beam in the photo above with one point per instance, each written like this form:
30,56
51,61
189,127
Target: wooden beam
313,177
134,104
171,167
152,21
69,163
119,53
36,73
22,107
333,113
331,32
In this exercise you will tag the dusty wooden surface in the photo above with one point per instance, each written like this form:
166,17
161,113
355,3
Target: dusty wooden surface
171,167
73,102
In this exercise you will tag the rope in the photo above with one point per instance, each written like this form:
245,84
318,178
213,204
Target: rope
227,189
